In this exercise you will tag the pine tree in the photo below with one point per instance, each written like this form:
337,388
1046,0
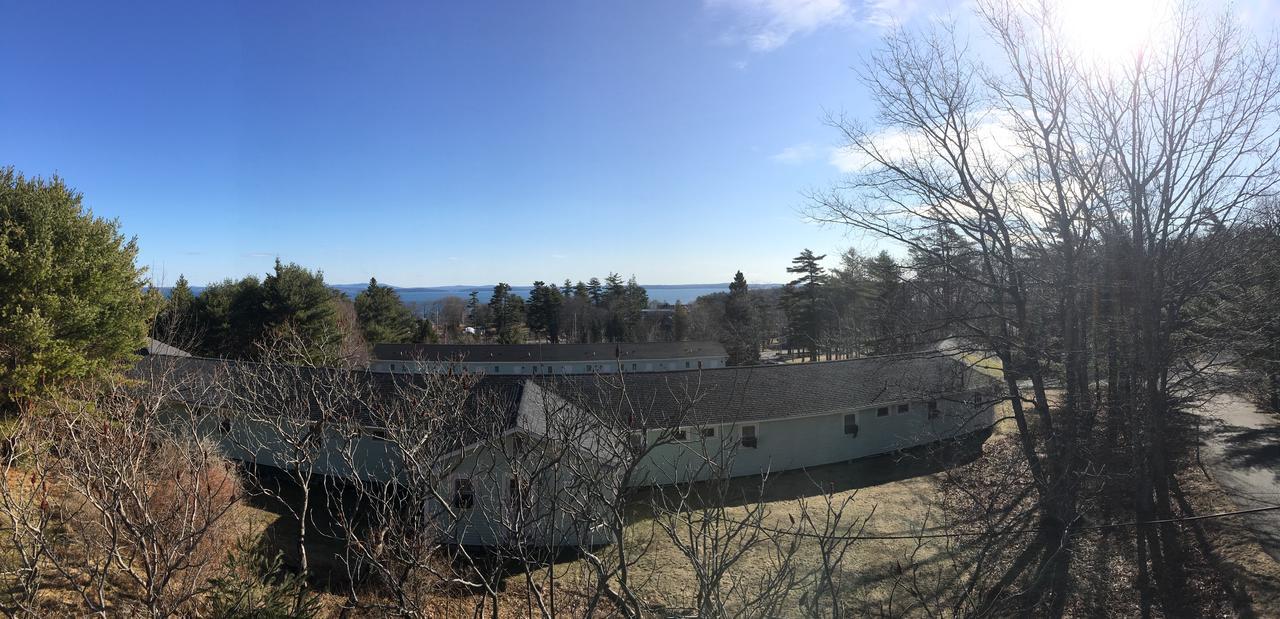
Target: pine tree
72,298
595,292
177,323
543,310
680,323
383,317
887,303
741,328
805,292
298,299
507,309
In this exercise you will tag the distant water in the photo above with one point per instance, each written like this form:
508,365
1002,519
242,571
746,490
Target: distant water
661,293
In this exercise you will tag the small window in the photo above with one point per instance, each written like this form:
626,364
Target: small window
375,432
463,495
680,434
904,408
496,369
686,365
851,425
225,426
633,367
708,432
883,411
749,437
933,409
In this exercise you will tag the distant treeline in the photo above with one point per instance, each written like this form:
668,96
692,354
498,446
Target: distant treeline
863,306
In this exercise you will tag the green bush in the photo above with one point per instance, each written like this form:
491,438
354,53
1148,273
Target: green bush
256,585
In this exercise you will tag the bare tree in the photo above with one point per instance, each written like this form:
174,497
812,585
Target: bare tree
144,508
1098,200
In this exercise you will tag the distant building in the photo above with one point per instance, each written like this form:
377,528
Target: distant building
540,359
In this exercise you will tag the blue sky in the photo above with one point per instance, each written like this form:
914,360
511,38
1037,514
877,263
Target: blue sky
431,143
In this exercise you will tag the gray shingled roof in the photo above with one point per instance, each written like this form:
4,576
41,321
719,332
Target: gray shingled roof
755,393
648,399
545,353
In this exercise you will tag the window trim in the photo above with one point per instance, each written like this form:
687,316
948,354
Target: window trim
464,493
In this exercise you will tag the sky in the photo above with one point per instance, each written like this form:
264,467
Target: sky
439,143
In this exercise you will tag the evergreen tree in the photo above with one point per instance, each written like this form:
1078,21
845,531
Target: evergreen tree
680,324
72,300
383,317
849,292
595,292
543,310
507,310
424,332
298,299
888,301
804,292
231,317
740,332
176,323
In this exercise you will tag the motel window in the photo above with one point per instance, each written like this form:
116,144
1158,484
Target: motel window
883,411
748,437
904,408
851,425
464,496
933,409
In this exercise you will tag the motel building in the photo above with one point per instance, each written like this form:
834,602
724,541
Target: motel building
544,451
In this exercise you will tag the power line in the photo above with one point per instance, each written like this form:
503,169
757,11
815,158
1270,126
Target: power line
1028,530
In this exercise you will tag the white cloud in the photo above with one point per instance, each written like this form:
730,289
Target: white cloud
886,13
795,154
993,138
765,25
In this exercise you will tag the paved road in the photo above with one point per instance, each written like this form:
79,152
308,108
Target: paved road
1242,448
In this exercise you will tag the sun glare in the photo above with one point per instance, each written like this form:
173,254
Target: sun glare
1105,31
